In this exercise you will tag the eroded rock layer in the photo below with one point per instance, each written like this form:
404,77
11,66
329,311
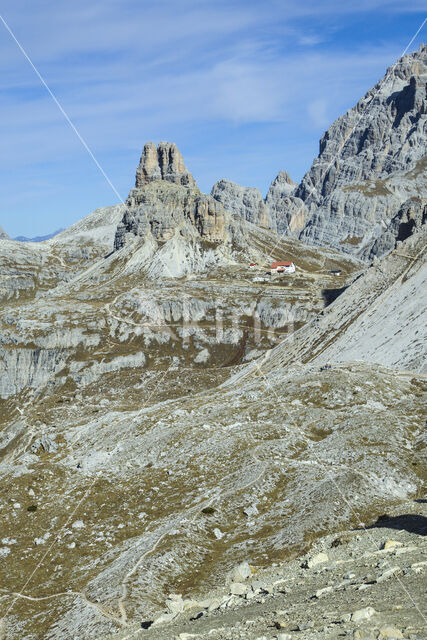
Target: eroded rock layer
163,162
371,160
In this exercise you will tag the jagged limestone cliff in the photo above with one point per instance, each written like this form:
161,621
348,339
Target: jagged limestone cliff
166,202
246,202
286,210
370,162
411,216
280,211
163,162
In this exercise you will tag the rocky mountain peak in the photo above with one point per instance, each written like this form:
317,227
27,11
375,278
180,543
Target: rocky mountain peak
371,160
244,202
3,234
282,186
286,211
166,202
283,177
164,162
410,65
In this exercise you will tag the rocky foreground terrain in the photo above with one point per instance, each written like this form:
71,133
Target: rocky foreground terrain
365,583
191,446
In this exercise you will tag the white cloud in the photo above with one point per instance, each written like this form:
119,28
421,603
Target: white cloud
311,40
318,112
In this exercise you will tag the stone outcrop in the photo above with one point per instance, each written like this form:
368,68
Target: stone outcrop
166,201
160,210
246,202
280,210
3,234
163,162
28,368
408,220
370,162
286,211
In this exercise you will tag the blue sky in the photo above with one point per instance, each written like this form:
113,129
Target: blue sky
244,88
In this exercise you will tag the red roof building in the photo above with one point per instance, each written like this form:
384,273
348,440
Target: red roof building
282,267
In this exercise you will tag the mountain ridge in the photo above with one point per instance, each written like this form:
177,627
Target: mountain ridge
39,238
371,163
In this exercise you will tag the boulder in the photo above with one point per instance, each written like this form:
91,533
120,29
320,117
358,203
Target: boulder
391,544
390,633
314,561
240,573
238,589
363,614
174,603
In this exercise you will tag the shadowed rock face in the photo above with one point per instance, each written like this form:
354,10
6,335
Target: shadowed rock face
370,162
164,162
408,220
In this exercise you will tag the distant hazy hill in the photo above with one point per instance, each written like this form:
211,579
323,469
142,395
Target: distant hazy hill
38,238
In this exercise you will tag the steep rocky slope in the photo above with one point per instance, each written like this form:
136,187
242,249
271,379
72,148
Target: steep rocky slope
367,162
141,501
380,318
348,585
27,269
371,168
410,218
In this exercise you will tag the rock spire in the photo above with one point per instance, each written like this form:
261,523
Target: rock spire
163,162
